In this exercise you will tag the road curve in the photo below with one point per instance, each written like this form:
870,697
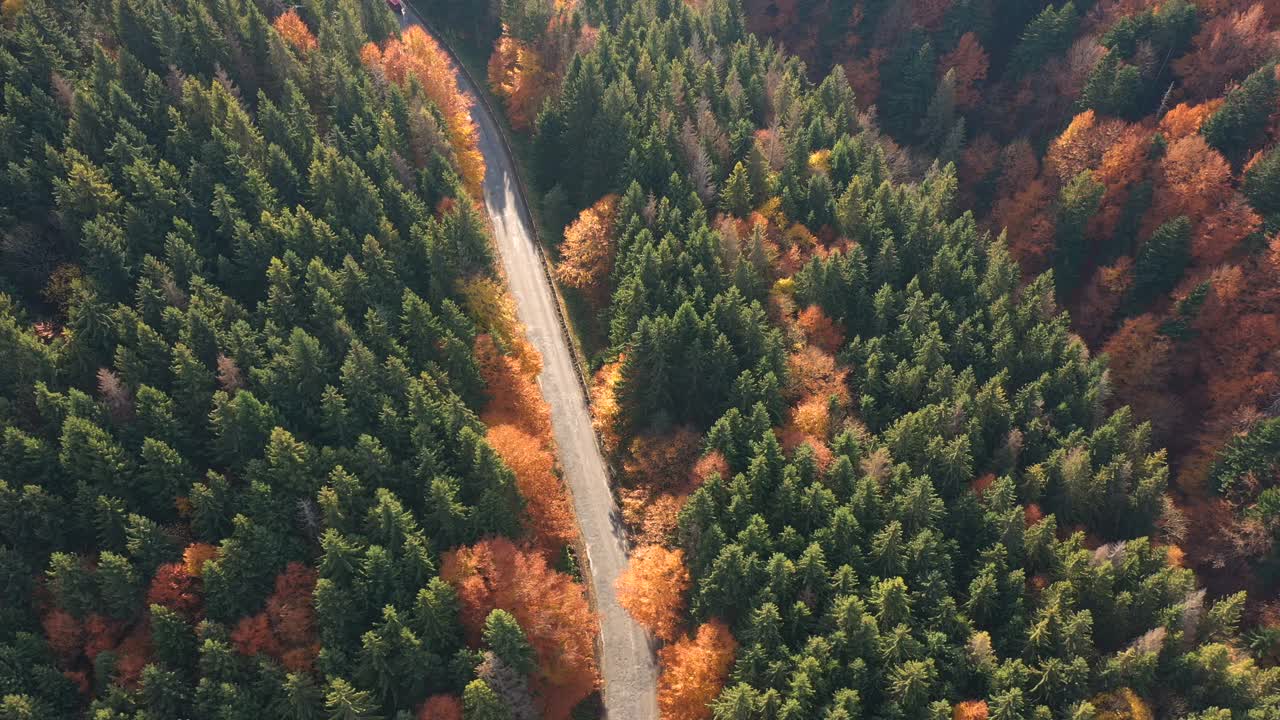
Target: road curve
627,664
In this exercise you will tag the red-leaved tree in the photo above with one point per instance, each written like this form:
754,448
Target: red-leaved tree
175,588
63,633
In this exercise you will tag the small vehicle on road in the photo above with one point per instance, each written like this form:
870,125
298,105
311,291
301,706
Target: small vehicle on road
396,6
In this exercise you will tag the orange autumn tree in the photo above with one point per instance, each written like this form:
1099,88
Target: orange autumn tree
253,636
864,75
1227,47
417,55
518,417
100,634
195,555
970,710
531,56
551,608
1196,181
1185,119
810,422
820,329
1081,146
656,482
978,163
814,373
693,672
292,616
812,418
1019,165
713,463
652,590
816,384
1238,330
1222,232
131,645
1237,358
517,75
663,460
1023,207
1124,165
132,655
513,394
1101,299
440,707
295,31
605,410
1027,218
548,515
587,253
652,518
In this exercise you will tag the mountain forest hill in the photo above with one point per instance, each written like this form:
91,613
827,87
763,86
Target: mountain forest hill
270,439
855,423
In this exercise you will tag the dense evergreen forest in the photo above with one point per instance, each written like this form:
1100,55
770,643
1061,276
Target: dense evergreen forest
1127,145
271,444
855,422
893,307
1163,250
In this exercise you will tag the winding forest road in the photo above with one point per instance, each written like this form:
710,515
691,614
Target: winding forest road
627,663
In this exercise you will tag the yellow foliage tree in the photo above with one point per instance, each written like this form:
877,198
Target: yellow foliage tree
820,161
605,409
489,305
1122,704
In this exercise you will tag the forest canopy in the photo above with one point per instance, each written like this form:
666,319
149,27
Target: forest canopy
933,344
838,371
261,383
